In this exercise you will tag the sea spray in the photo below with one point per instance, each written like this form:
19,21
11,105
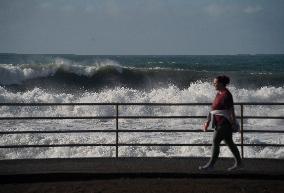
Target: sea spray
197,92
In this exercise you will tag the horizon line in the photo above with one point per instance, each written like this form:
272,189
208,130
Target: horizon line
245,54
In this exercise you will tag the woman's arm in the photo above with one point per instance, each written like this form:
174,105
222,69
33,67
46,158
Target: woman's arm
206,124
233,115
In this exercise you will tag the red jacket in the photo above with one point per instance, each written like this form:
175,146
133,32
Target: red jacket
222,101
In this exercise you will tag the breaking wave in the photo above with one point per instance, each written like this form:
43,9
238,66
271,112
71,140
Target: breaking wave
69,76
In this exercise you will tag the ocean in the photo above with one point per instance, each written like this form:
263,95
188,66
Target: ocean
55,78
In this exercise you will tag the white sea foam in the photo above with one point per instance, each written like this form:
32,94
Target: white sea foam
196,92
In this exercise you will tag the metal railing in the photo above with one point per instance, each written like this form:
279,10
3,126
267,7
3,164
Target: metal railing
117,117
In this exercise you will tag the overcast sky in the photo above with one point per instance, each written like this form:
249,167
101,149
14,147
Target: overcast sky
142,26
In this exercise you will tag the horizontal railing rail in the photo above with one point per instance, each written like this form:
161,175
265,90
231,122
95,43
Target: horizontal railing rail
129,131
135,104
117,117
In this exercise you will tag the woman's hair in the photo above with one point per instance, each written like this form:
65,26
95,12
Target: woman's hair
223,79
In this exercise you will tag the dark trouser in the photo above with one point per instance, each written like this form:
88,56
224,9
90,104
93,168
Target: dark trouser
224,132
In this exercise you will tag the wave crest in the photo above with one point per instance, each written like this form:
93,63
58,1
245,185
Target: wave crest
18,73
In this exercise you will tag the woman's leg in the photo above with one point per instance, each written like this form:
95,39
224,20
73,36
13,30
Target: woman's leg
217,138
233,147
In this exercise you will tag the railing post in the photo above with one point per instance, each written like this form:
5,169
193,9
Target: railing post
116,144
242,130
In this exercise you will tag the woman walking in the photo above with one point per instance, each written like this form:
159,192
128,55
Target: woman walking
222,119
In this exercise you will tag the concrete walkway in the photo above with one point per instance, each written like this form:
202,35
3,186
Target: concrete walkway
133,167
139,175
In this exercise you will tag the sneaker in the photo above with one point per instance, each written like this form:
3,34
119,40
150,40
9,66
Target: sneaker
206,168
236,167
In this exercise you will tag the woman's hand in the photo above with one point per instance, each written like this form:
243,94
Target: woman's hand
205,126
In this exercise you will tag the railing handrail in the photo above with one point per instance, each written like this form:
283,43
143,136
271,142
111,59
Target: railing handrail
138,103
117,117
